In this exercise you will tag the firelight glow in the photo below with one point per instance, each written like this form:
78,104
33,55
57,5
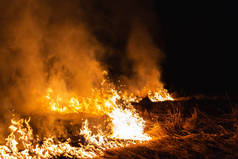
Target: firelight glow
126,125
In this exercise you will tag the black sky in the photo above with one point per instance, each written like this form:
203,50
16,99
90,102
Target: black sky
200,45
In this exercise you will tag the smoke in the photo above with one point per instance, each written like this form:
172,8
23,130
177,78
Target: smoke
67,45
146,58
41,51
42,48
129,32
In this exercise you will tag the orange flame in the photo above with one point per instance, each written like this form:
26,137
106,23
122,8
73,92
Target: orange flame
159,95
127,126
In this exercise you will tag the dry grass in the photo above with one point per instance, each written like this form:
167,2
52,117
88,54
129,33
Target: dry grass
191,129
188,129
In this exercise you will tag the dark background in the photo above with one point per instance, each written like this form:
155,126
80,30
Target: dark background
199,40
200,45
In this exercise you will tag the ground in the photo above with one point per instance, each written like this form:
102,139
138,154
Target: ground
191,128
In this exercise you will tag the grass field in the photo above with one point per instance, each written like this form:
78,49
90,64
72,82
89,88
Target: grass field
187,128
192,128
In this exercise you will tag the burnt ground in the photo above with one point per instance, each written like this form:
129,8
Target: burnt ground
192,128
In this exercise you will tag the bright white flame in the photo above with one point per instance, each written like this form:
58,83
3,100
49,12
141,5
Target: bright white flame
128,125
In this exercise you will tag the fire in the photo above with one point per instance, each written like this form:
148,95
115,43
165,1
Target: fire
159,95
127,127
22,133
99,102
126,122
48,149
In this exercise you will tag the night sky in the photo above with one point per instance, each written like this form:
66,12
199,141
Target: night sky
200,45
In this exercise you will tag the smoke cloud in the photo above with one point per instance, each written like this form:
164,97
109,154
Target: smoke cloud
67,45
42,48
42,51
145,57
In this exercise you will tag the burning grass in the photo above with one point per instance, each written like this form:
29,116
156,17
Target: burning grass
120,126
191,130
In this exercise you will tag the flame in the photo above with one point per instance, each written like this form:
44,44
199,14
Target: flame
99,102
22,133
126,125
159,95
